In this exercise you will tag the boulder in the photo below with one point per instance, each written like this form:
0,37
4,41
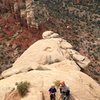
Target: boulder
49,34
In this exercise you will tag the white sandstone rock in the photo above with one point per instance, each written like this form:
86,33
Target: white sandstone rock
82,61
49,34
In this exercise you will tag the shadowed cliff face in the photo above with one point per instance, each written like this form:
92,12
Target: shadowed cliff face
22,22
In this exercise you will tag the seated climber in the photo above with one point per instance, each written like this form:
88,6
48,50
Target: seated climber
52,92
64,90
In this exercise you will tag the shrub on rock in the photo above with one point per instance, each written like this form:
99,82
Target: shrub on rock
23,88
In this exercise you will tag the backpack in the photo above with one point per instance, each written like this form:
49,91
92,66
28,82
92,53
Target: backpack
68,93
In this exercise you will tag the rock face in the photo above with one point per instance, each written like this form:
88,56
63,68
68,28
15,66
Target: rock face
46,61
50,51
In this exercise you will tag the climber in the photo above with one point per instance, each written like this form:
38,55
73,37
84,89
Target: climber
52,92
64,90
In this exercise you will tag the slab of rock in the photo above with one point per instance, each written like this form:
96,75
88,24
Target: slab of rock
82,61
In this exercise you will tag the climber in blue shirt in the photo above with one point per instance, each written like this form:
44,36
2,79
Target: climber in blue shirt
52,92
